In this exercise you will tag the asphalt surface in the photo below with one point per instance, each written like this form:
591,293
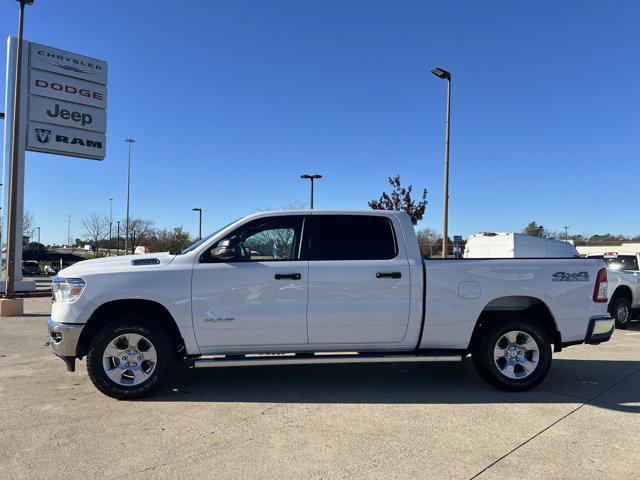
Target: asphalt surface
325,421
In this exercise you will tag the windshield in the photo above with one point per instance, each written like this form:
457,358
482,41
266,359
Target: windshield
205,239
621,262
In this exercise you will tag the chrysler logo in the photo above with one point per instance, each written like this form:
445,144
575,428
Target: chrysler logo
43,135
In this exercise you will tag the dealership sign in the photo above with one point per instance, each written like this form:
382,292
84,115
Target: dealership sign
43,137
67,101
67,63
50,110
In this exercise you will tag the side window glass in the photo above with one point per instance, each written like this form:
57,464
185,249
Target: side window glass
353,237
262,240
271,244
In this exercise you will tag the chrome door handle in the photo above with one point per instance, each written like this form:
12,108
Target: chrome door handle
389,275
291,276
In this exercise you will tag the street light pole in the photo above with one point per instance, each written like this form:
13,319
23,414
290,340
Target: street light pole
68,230
199,210
38,228
118,239
126,227
12,224
110,223
440,73
566,232
312,178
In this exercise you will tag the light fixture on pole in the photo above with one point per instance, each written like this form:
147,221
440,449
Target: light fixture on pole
12,223
443,74
126,225
199,210
312,178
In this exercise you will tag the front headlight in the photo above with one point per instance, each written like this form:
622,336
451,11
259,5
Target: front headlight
66,290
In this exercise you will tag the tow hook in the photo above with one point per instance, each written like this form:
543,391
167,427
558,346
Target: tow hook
71,363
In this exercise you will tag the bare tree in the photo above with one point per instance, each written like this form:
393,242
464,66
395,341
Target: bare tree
429,241
139,231
96,226
28,224
400,199
167,240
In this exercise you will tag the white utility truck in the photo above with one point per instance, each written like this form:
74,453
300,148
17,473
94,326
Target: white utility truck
624,285
516,245
312,286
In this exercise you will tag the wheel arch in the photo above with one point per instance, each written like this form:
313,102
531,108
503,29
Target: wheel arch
110,310
623,291
501,309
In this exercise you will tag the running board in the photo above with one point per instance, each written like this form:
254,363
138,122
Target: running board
318,358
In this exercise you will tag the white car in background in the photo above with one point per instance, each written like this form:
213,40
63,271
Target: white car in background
623,275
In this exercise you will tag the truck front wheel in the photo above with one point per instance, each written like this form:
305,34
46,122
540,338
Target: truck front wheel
130,358
515,355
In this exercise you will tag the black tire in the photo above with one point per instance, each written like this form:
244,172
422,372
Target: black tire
621,311
487,367
160,339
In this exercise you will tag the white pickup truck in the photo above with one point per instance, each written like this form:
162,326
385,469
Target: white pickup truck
624,285
321,286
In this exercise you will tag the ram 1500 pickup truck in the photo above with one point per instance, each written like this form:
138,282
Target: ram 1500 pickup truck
321,286
624,285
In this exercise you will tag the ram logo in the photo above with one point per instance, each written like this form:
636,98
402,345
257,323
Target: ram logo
570,277
43,135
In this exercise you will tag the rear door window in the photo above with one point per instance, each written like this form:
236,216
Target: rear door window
352,237
621,262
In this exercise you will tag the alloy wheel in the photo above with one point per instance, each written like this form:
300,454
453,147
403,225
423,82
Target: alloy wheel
516,354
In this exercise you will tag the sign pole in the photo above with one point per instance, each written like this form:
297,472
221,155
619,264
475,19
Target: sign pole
13,167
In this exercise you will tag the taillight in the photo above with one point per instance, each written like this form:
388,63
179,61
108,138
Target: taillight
600,290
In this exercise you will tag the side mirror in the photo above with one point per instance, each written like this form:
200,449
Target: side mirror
224,251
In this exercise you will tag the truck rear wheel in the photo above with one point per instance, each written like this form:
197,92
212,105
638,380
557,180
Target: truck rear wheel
513,355
130,358
621,311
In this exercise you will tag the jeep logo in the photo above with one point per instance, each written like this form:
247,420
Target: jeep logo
570,277
81,118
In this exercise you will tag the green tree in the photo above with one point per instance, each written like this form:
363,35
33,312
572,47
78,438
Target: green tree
535,230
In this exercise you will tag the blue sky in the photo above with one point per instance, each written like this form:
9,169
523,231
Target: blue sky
229,102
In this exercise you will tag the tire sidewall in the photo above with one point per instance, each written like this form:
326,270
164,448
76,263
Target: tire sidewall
486,364
155,333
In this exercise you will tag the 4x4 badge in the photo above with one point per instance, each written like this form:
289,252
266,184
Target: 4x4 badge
570,277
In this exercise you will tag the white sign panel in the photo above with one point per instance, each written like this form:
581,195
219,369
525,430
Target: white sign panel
66,88
44,137
50,110
67,63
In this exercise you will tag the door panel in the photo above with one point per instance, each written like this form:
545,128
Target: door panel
359,281
243,303
250,288
349,304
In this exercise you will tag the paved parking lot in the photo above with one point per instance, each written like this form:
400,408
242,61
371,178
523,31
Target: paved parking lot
332,421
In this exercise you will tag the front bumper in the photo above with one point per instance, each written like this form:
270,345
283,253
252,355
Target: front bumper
600,330
63,339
